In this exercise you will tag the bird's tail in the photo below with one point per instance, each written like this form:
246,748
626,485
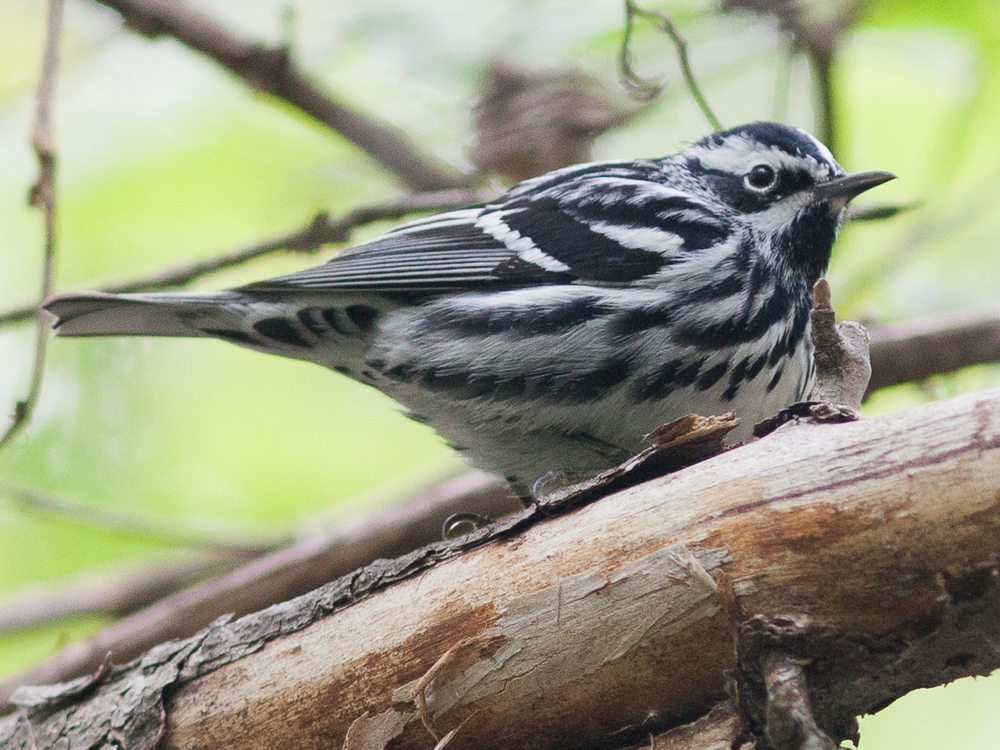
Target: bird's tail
166,314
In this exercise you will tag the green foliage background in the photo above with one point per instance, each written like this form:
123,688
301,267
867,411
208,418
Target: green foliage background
164,158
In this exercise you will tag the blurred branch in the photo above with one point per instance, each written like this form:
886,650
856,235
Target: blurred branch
938,223
170,531
321,230
819,40
917,349
783,83
42,196
821,60
643,88
816,29
880,211
280,576
111,594
272,71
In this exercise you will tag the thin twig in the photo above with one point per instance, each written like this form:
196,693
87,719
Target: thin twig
826,128
881,211
320,231
912,350
646,89
420,689
113,593
782,84
42,197
271,70
168,531
643,89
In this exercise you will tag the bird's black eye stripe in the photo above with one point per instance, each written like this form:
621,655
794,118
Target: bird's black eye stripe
795,179
761,177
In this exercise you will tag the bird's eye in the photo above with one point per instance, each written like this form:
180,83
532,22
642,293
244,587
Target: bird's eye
761,177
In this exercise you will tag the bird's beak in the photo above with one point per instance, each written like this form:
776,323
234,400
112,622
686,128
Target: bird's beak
851,185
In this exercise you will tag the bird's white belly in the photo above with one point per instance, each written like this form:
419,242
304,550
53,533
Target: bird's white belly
527,434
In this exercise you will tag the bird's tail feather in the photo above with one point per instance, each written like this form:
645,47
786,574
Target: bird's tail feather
97,314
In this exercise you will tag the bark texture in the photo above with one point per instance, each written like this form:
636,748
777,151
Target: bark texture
864,552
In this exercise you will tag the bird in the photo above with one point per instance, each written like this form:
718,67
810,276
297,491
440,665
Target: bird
549,330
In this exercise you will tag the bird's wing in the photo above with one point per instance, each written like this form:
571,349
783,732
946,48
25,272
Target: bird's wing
587,224
442,252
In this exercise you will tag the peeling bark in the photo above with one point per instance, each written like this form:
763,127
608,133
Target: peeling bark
878,540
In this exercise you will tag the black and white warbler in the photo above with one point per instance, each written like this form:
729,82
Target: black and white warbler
552,328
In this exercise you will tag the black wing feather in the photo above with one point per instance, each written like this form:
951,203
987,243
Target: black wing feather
455,256
590,255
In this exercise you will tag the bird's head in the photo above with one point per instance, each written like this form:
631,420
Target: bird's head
785,187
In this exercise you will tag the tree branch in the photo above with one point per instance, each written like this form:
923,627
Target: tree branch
320,231
916,349
42,196
219,541
110,594
272,71
875,539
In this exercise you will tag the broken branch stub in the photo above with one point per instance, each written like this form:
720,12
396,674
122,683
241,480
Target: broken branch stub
843,366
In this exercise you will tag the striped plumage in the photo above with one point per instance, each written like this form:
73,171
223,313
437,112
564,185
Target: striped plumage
554,327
